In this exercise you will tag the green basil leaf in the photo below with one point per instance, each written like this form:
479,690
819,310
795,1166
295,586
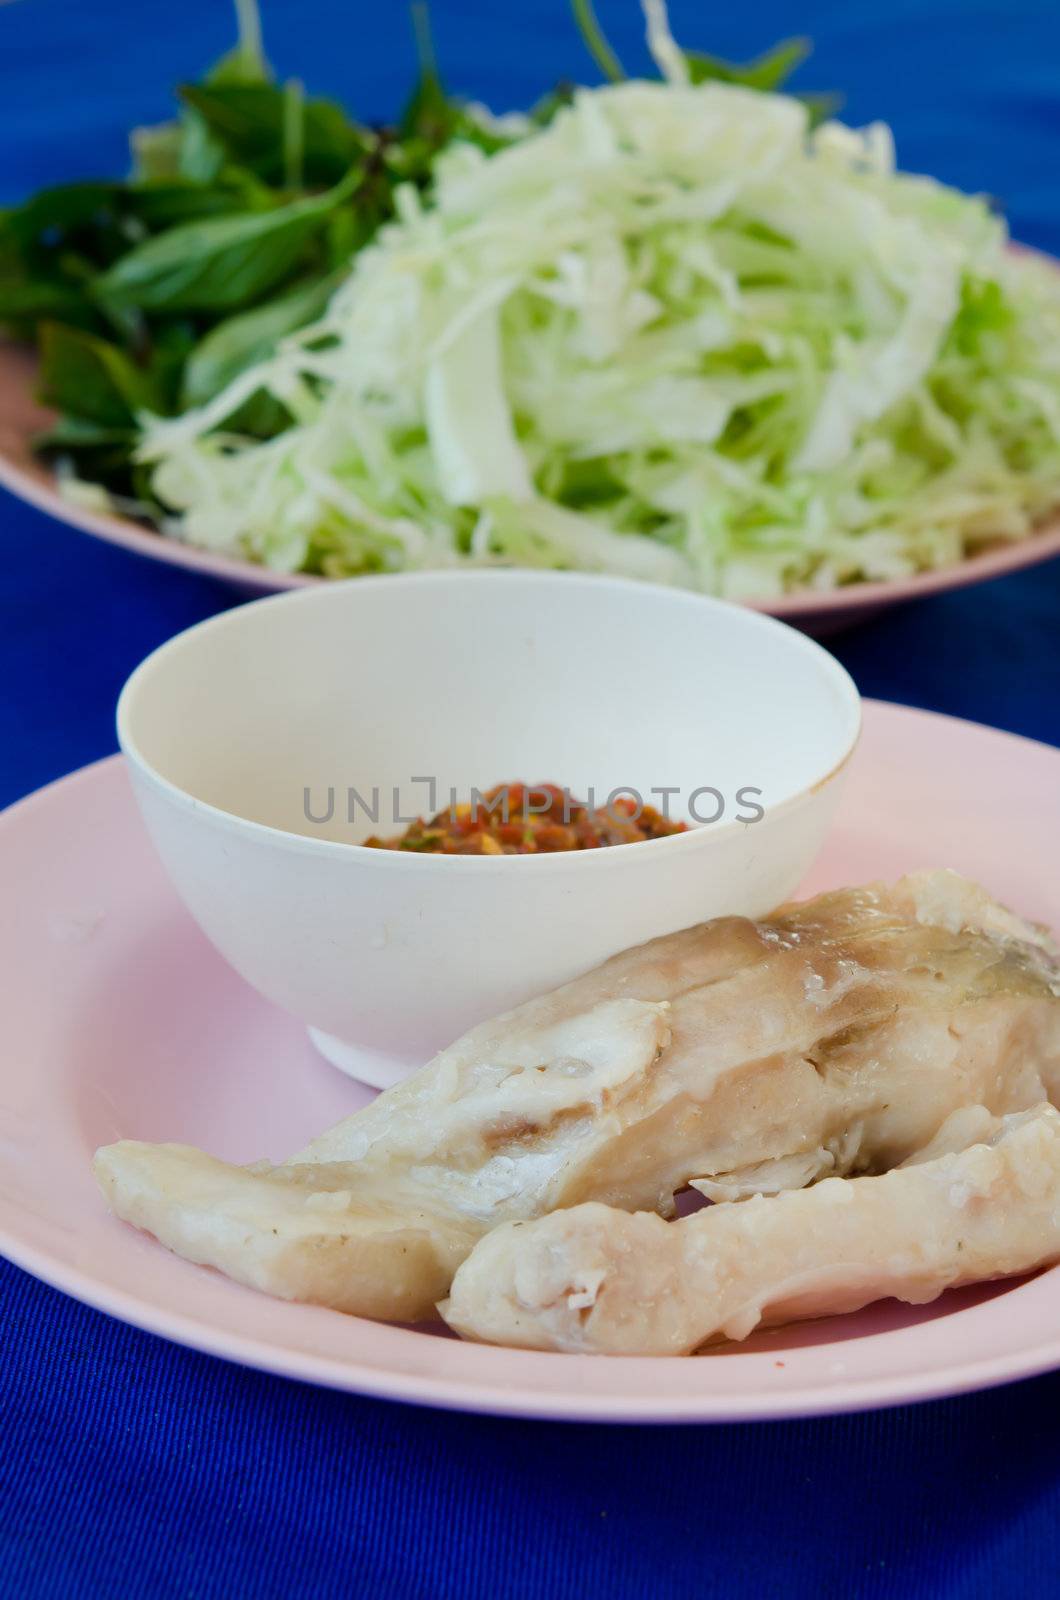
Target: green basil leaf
262,416
201,156
238,66
543,112
248,121
167,204
772,70
246,62
430,114
26,301
767,72
92,379
346,231
170,342
432,117
72,434
66,208
221,264
65,235
155,151
180,148
240,341
105,461
822,107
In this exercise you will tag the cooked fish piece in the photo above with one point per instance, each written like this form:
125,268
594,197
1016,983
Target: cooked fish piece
601,1281
966,1126
836,1036
344,1234
272,1230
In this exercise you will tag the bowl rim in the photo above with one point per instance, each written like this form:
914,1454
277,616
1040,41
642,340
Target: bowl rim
291,842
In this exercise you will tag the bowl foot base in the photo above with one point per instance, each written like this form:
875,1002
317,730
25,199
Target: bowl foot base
373,1067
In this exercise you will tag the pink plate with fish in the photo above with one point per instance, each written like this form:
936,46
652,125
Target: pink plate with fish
122,1021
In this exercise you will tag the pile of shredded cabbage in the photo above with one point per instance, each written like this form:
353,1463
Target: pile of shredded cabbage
673,335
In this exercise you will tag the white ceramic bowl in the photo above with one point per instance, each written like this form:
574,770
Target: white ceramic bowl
471,679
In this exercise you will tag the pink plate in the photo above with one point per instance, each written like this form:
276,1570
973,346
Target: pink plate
120,1020
819,613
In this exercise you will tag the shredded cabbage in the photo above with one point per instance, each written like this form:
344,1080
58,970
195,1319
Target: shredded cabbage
673,335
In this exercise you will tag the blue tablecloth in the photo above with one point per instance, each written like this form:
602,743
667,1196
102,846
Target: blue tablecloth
132,1468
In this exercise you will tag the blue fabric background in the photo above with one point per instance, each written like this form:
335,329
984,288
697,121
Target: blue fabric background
131,1468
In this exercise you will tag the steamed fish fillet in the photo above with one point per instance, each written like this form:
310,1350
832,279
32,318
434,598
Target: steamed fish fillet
267,1229
835,1036
597,1280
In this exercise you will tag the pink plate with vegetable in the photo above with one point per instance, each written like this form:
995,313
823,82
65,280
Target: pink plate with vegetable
714,339
23,474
